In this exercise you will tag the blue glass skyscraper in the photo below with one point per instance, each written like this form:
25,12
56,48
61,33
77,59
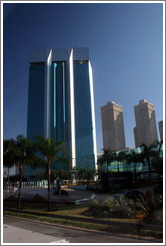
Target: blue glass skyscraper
61,102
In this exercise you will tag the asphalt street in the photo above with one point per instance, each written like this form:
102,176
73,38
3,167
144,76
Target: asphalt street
69,234
77,195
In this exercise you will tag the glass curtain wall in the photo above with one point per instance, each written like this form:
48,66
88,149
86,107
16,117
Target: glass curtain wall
83,116
36,100
36,107
59,116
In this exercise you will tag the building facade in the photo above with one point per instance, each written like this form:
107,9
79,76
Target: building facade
160,125
145,131
61,102
113,127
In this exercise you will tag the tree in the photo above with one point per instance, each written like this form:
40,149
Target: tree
49,152
20,152
148,153
64,174
89,174
133,158
157,164
158,145
107,157
7,156
120,157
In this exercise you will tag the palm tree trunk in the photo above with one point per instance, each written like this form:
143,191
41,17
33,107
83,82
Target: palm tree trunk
118,167
8,179
49,186
150,177
107,167
20,187
135,175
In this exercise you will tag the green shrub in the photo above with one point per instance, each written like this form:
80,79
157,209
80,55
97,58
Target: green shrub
124,207
112,207
158,200
94,203
109,202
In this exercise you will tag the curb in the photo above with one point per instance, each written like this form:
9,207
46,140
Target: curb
86,230
92,220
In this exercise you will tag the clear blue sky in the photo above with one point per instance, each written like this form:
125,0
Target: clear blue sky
125,45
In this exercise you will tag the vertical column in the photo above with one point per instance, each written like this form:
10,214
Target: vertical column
72,110
47,103
64,100
93,114
53,102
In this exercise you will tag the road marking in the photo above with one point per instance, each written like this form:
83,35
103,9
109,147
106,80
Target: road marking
60,241
85,199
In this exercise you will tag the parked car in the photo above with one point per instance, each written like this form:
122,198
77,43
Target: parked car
136,195
132,194
123,192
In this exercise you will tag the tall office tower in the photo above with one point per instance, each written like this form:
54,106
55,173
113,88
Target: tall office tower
160,125
61,102
145,131
113,127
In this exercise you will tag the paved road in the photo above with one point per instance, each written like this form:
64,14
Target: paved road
69,234
74,196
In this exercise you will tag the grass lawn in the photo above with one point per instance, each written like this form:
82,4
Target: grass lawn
63,209
92,226
73,210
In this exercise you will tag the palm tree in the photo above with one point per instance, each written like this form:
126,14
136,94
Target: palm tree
159,145
148,153
7,157
20,152
120,157
133,158
49,152
157,162
24,155
90,175
107,157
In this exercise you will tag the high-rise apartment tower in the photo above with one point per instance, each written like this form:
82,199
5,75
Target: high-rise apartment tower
61,102
113,127
145,131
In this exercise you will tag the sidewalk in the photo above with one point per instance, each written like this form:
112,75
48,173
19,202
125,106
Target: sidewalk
12,234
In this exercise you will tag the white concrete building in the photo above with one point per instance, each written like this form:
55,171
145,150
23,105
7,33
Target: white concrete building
113,127
145,131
